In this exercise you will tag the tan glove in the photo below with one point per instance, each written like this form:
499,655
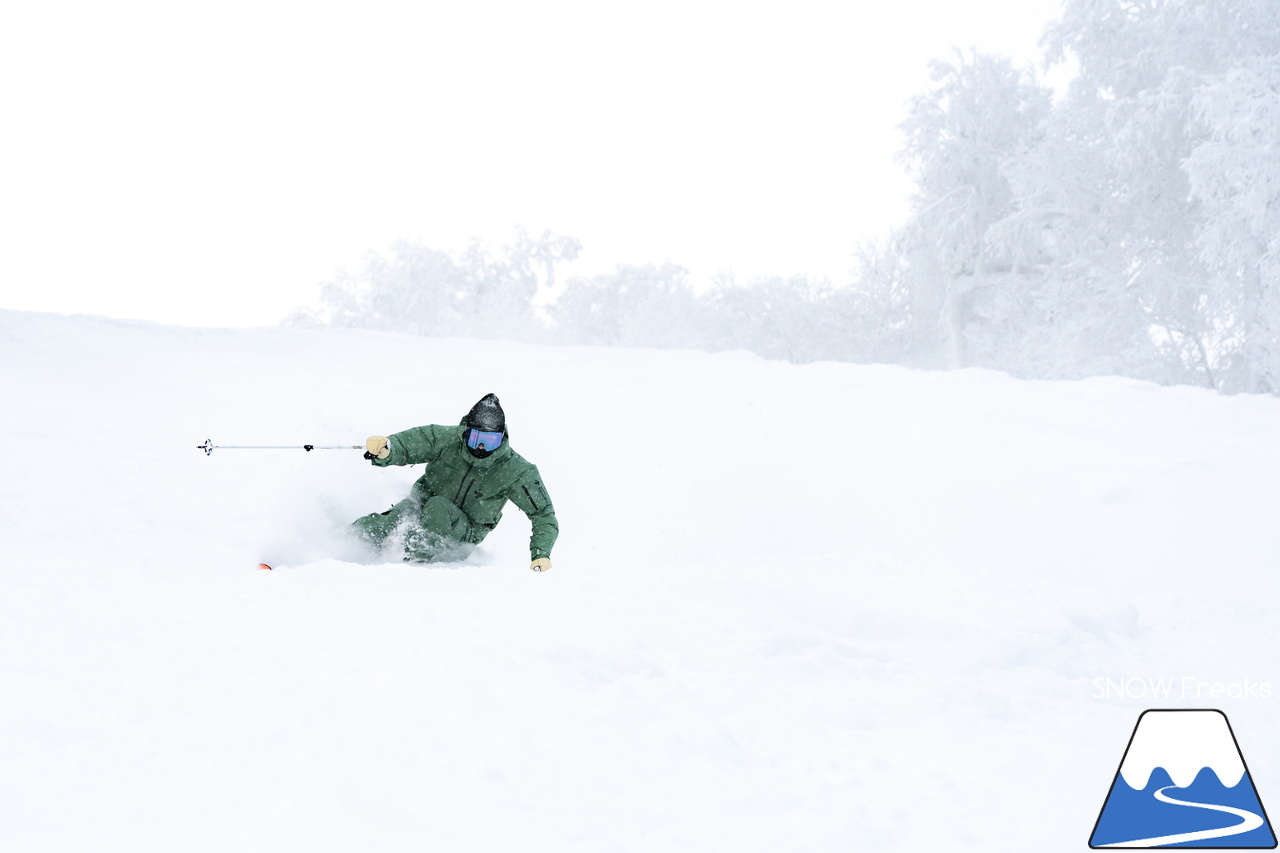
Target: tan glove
542,564
376,445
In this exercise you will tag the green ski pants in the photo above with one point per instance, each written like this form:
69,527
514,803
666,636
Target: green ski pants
433,529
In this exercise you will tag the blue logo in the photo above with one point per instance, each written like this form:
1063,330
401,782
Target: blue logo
1183,783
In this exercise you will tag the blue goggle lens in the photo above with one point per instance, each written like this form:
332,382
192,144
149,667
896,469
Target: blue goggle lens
490,440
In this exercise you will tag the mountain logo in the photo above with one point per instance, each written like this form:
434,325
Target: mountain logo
1183,783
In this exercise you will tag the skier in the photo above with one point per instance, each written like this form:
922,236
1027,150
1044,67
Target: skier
471,473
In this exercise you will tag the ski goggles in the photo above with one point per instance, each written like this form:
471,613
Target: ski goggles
490,440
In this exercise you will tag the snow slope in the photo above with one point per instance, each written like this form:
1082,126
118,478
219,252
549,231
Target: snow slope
755,637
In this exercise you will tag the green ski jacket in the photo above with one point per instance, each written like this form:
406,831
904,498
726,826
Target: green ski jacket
478,487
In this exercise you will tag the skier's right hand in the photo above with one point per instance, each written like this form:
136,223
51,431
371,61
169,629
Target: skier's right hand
377,447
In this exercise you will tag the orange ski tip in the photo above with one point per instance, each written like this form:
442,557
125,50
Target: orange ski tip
264,566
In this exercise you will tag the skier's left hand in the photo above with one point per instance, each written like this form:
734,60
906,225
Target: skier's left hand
542,564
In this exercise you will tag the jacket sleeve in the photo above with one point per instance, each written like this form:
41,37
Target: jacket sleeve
530,495
417,445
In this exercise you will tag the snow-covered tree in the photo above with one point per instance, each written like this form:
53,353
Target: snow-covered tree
1130,219
783,318
504,285
423,291
641,306
979,112
1128,228
413,289
1235,175
871,317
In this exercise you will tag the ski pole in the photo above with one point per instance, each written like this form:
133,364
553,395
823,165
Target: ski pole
208,447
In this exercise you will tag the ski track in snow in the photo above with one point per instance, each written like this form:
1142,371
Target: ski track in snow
888,641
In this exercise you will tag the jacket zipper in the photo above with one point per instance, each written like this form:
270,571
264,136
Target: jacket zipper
461,484
530,497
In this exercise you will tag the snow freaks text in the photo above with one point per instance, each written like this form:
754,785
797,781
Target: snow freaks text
1186,687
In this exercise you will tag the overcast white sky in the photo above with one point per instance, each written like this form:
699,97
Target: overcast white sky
211,163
